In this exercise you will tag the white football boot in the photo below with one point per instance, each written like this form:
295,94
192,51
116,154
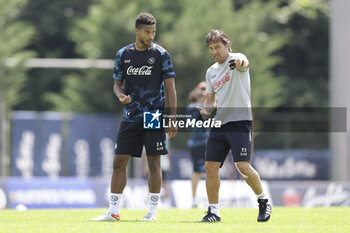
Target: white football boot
149,217
108,216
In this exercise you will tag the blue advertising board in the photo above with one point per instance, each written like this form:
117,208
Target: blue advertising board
36,144
51,144
105,136
25,144
292,164
81,146
42,192
182,166
62,144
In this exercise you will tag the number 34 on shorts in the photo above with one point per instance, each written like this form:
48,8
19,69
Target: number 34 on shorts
160,146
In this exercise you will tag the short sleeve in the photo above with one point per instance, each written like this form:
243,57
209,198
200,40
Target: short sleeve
209,87
167,66
118,72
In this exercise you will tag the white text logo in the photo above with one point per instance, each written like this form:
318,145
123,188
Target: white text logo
192,123
25,162
144,70
244,151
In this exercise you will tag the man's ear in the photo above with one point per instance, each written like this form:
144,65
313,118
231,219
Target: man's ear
228,45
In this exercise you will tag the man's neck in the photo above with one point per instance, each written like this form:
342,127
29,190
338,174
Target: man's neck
223,61
140,46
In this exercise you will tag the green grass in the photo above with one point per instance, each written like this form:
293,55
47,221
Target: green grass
283,220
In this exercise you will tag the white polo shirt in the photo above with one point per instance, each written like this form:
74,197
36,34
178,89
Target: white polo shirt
232,90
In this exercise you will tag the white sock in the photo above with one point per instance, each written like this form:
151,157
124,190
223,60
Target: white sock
153,201
194,201
214,208
261,196
114,201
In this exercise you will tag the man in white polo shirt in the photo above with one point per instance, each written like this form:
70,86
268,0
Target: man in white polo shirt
228,87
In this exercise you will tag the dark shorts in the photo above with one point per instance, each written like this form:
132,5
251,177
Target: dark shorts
132,137
235,136
198,158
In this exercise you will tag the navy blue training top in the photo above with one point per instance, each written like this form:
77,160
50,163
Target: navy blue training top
143,73
199,136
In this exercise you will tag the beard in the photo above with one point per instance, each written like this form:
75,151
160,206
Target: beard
145,43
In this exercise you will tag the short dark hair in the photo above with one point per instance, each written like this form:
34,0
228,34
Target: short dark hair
217,35
145,19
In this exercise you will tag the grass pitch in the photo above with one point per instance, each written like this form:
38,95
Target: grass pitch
283,220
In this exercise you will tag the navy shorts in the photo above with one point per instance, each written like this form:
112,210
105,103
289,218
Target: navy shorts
198,158
235,136
132,137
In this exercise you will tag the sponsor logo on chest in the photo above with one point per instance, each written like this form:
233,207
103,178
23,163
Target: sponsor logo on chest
222,81
143,70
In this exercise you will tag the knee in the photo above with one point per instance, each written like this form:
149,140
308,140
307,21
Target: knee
211,168
154,167
243,168
119,163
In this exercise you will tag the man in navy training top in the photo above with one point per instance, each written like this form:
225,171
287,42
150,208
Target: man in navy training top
198,139
143,71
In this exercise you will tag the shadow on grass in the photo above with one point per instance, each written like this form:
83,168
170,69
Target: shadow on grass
140,221
120,221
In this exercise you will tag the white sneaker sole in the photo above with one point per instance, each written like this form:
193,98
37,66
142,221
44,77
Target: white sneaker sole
149,219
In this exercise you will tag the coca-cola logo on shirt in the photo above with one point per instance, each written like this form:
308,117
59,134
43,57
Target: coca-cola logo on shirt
219,83
144,70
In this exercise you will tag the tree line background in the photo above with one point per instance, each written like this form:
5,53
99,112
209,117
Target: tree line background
286,42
